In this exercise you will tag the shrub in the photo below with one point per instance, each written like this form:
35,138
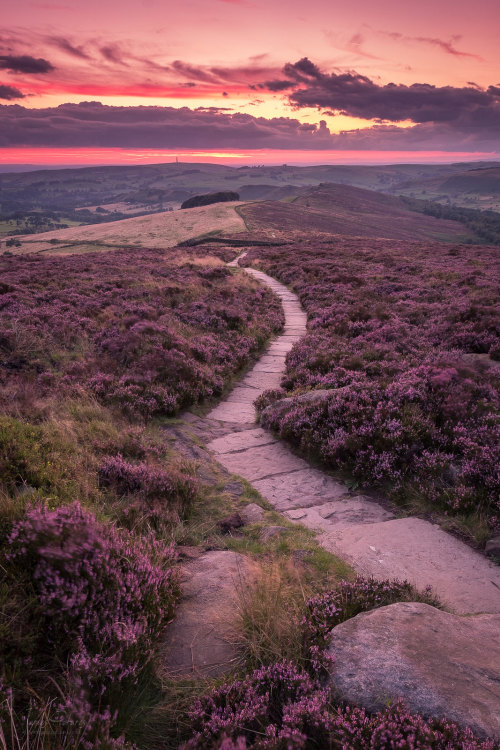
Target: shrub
144,332
157,493
274,707
103,594
396,727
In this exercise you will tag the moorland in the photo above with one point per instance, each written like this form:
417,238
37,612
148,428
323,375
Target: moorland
115,341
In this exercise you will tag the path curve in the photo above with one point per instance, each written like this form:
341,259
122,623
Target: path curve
348,524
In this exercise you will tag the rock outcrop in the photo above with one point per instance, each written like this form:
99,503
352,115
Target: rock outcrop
201,639
440,664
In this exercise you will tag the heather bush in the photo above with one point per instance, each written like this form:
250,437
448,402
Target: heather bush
404,337
144,331
396,727
102,594
280,708
156,494
274,707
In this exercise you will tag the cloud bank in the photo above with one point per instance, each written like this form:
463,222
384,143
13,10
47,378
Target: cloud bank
91,124
356,95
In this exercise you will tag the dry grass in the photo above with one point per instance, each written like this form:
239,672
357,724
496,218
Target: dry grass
160,230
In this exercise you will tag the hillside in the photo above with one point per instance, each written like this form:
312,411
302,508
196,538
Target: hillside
470,188
342,209
160,230
58,189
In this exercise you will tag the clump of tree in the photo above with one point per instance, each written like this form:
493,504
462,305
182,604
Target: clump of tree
485,224
208,198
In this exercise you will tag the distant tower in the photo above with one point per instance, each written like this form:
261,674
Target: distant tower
176,159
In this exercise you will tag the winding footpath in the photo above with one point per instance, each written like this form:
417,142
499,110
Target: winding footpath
348,524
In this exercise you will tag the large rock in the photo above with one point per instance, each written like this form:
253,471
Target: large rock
440,664
201,639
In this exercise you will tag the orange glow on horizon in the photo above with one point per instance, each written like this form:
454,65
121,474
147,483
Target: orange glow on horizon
86,157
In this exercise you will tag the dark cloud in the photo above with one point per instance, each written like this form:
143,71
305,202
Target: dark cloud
278,85
91,124
113,54
356,95
25,64
9,93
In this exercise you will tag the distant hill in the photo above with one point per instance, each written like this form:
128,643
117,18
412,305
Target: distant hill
470,188
343,209
58,189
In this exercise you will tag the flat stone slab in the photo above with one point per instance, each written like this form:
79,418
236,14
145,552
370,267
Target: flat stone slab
240,441
301,489
200,641
233,411
425,555
262,461
280,347
440,664
242,394
341,513
262,381
270,364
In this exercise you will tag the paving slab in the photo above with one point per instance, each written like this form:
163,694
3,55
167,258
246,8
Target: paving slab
242,393
276,366
261,380
341,513
238,441
263,461
233,411
418,551
301,489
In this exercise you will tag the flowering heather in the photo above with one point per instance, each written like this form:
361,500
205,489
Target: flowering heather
280,708
274,707
396,727
154,492
146,330
103,594
406,339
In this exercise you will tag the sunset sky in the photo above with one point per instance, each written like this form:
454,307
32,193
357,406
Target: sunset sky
249,81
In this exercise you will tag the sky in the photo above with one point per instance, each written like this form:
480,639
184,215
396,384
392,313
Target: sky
249,81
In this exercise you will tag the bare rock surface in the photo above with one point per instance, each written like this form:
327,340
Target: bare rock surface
440,664
269,532
424,554
341,513
200,641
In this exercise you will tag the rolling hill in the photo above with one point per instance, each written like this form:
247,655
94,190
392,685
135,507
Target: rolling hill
470,188
159,230
342,209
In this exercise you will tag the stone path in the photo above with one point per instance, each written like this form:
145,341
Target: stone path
350,525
